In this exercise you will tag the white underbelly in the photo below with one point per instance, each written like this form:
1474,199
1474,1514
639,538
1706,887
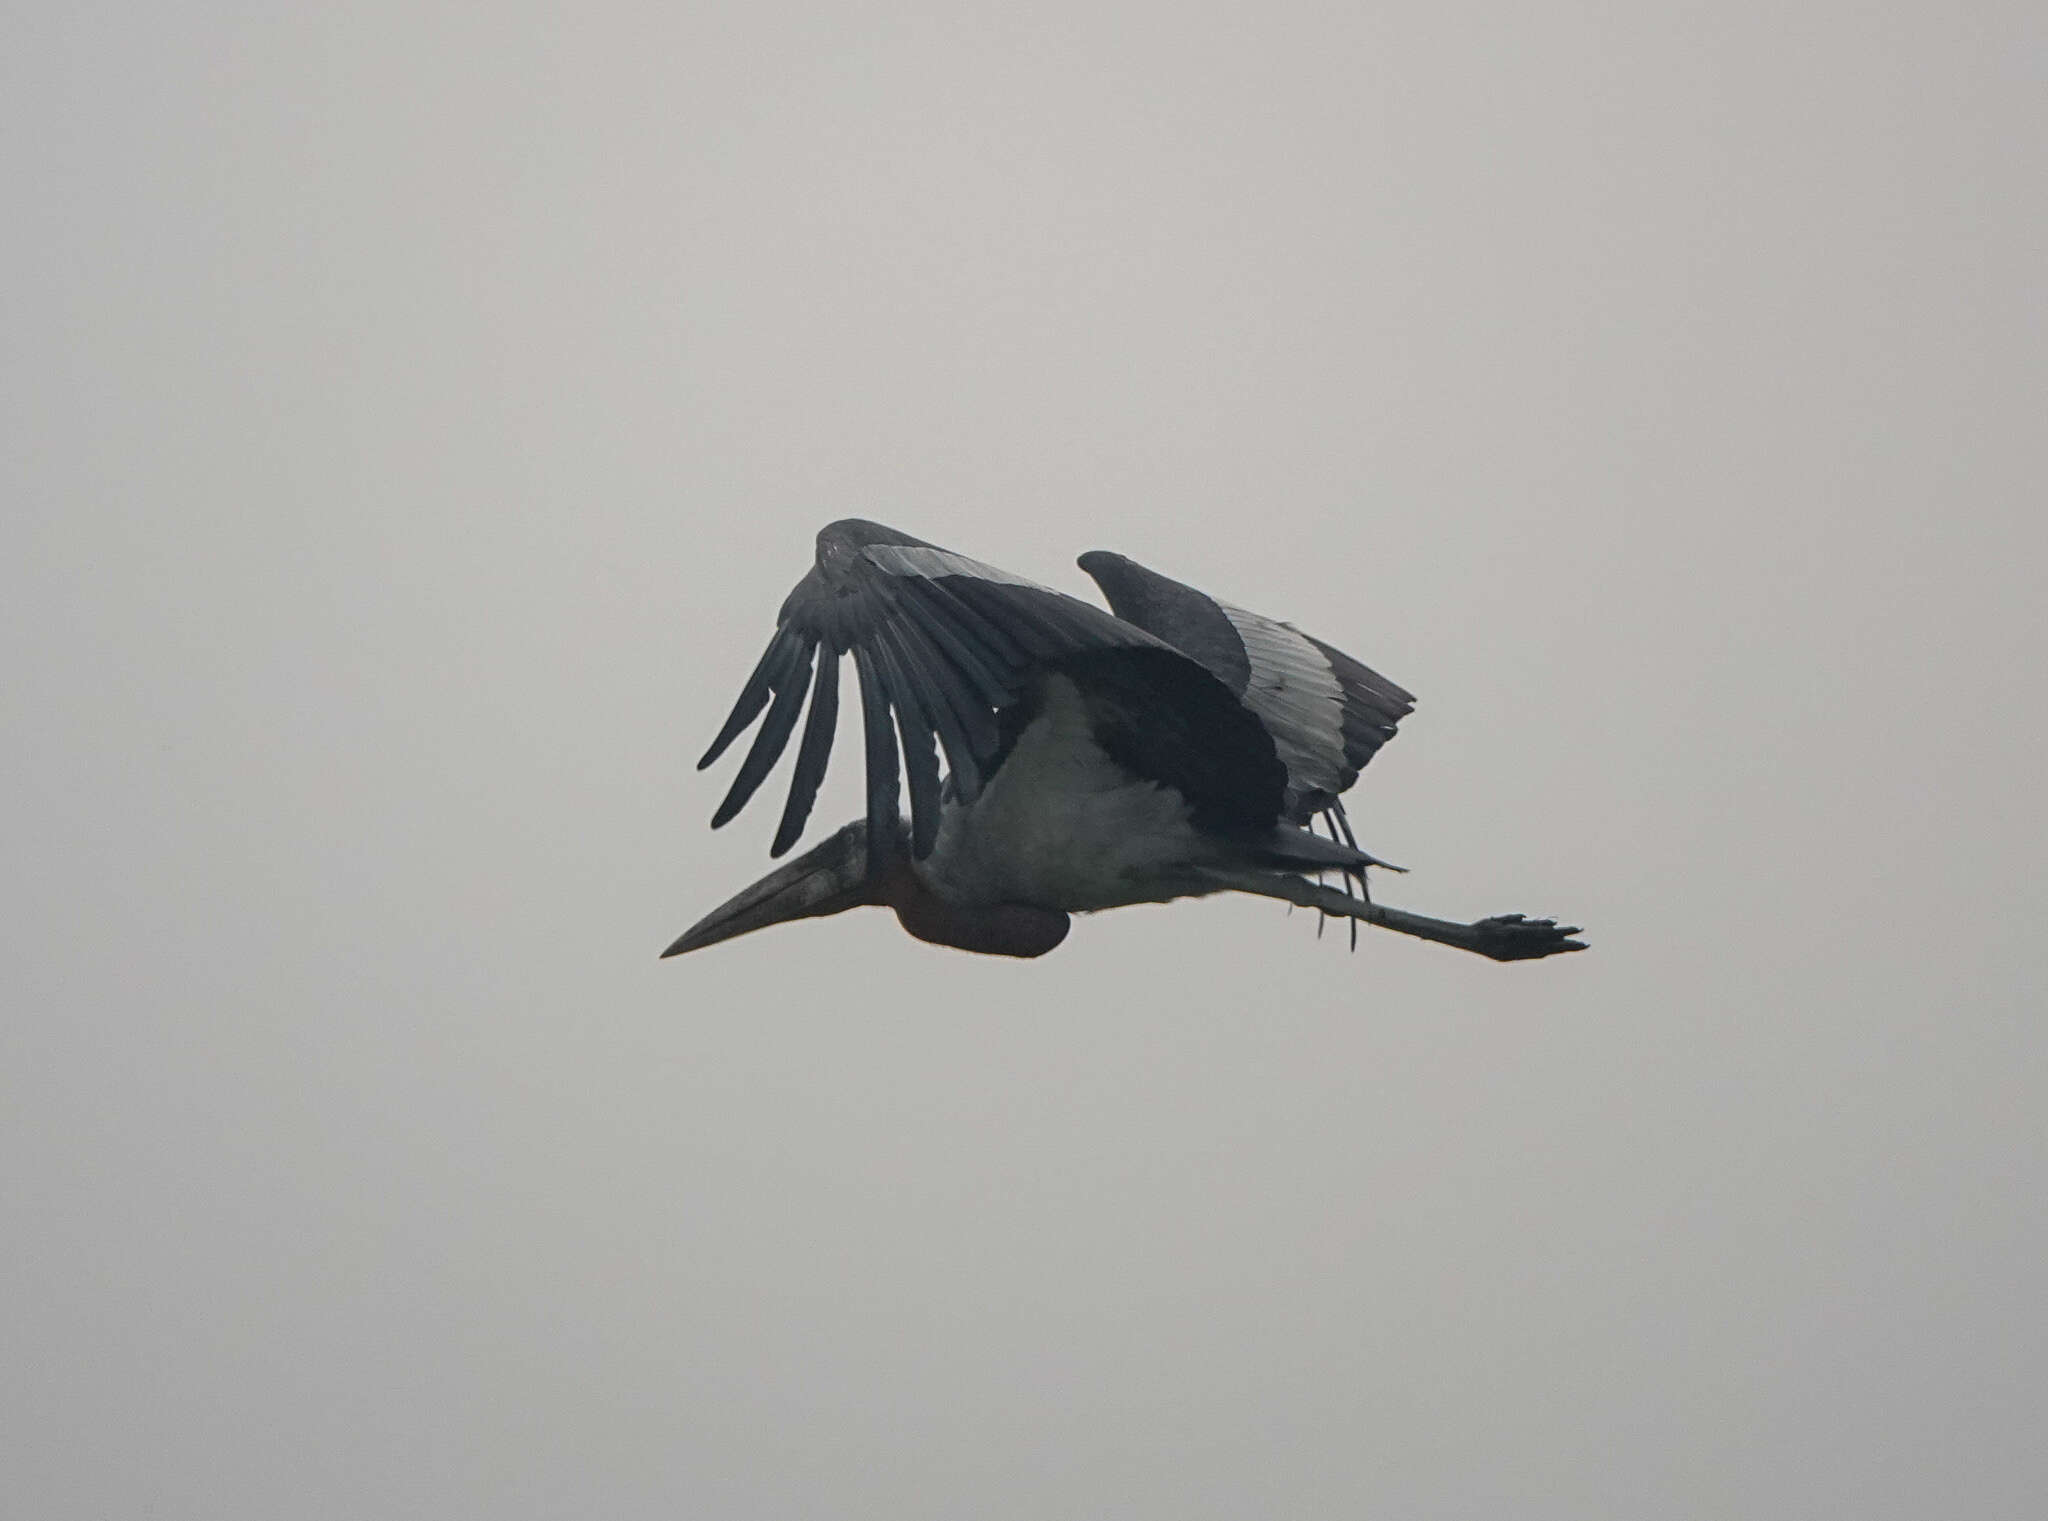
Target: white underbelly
1061,825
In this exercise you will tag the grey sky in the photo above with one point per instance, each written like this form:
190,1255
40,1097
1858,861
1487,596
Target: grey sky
413,417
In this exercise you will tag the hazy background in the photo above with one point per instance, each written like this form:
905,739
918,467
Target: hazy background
413,418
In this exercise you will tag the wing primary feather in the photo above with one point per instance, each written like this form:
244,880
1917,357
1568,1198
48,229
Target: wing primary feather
914,728
1340,821
1321,917
1355,672
754,695
812,753
921,763
775,731
938,691
972,692
881,759
961,595
945,621
1343,822
1021,626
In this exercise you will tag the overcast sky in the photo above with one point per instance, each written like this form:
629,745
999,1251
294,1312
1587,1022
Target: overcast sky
413,417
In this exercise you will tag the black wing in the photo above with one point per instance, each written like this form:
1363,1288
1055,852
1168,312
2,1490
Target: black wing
940,644
1327,713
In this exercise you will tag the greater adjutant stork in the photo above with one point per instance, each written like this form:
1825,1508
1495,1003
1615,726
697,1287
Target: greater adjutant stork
1177,748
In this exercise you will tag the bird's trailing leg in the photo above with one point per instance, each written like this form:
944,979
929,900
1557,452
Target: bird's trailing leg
1505,937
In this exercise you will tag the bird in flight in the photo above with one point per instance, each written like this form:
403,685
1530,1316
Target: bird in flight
1175,747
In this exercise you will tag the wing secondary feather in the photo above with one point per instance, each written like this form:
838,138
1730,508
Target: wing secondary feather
1328,714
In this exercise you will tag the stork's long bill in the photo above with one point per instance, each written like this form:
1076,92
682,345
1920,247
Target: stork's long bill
829,879
1175,747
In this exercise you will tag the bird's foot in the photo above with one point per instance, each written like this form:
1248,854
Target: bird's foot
1511,937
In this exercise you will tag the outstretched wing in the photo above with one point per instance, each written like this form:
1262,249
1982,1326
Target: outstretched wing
1327,713
939,642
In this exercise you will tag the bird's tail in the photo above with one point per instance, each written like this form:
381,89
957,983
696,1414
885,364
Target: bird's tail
1292,848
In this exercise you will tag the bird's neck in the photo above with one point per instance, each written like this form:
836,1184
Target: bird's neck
1006,929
